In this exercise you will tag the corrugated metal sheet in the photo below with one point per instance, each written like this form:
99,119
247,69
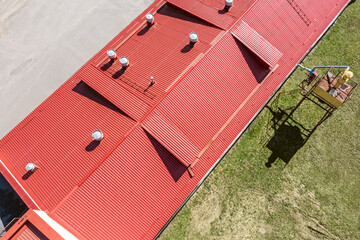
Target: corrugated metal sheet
281,26
170,137
256,43
128,192
30,232
213,90
114,92
213,12
58,139
149,53
137,188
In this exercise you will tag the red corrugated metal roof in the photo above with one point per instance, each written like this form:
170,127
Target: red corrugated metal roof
57,137
213,10
204,97
30,232
256,43
170,137
150,56
131,188
31,227
114,92
213,90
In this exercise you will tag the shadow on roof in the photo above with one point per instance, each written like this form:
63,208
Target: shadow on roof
257,67
173,165
187,48
86,91
143,31
175,12
92,146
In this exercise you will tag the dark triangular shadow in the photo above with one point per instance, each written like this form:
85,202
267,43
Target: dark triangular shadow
85,90
173,165
256,65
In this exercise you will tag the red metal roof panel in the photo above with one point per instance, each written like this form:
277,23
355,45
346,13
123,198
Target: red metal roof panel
30,232
31,227
149,53
114,92
256,43
138,187
171,137
57,138
213,11
127,193
281,26
212,91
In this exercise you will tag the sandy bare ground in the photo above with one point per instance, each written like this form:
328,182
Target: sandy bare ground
42,43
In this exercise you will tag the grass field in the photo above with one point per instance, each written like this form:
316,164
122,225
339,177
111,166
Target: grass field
313,190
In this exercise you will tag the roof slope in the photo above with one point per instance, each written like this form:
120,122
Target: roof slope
130,184
213,11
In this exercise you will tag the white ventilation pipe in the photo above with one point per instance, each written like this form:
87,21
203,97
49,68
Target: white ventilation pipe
30,167
228,4
97,135
124,61
314,68
149,19
194,37
111,54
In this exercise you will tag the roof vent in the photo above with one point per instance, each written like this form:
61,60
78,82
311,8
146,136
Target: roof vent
30,167
97,135
228,4
124,62
111,54
151,81
194,37
149,19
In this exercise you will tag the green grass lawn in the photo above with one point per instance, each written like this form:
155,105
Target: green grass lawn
313,190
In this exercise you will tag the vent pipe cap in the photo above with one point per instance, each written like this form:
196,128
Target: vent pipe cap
111,53
149,17
228,3
30,167
124,61
194,37
97,135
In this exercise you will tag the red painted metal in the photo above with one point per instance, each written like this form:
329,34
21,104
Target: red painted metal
30,232
256,43
31,227
204,97
213,90
170,137
62,146
150,56
213,11
131,187
114,92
